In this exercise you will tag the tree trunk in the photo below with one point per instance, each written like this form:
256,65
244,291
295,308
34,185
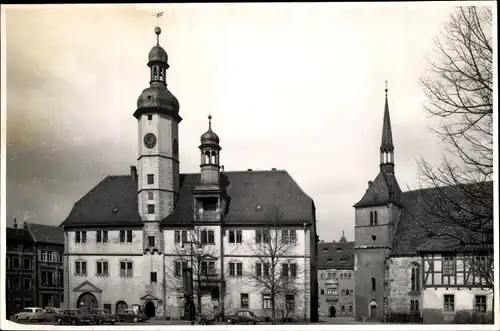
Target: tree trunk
273,308
198,299
222,295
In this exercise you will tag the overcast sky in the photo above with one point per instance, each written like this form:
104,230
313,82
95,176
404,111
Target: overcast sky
290,86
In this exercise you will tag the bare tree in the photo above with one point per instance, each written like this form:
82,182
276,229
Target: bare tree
459,93
273,270
197,250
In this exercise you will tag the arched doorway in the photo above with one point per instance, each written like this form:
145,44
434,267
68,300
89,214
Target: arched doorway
150,309
120,305
86,302
332,312
373,309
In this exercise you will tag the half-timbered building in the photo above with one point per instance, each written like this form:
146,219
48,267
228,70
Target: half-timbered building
403,271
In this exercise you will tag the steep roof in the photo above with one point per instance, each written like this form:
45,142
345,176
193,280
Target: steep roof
384,188
247,190
331,255
47,234
18,236
437,211
112,201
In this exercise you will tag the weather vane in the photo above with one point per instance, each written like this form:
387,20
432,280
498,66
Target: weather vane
158,15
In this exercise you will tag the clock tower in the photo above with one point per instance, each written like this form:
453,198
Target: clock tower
158,141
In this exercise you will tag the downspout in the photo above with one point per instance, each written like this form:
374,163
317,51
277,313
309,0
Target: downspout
222,295
305,278
164,284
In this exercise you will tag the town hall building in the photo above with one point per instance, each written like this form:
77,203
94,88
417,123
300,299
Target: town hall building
130,239
403,270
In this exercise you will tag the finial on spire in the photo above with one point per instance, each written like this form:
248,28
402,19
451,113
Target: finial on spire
209,121
157,29
386,88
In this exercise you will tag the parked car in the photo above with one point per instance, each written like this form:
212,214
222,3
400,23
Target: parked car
242,316
30,314
74,317
130,315
102,316
51,314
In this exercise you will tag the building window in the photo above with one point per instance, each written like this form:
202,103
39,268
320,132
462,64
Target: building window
244,300
122,236
151,209
27,264
153,277
151,241
151,179
207,268
50,256
27,283
43,256
262,237
258,269
266,301
81,237
151,195
284,269
322,292
448,265
290,302
449,303
207,237
80,268
235,236
16,283
342,308
126,269
332,291
179,265
129,236
293,236
480,304
350,309
373,284
102,236
47,278
60,274
102,268
180,236
342,292
235,269
415,277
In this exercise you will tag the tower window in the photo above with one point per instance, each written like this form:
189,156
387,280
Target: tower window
151,195
161,74
151,179
207,158
415,277
214,158
153,277
151,241
373,218
151,209
373,284
374,237
155,72
150,117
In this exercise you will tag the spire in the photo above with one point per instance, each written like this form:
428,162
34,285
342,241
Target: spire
343,238
387,146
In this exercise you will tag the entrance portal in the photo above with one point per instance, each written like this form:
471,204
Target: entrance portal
149,309
120,305
373,311
86,302
332,311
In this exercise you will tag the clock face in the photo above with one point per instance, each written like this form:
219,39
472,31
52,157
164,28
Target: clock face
150,140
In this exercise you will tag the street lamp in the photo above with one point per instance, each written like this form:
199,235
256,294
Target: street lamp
189,295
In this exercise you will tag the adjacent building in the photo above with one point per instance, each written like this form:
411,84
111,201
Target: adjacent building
336,278
129,240
401,269
33,266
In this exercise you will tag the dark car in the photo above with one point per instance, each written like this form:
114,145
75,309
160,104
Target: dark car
130,315
242,316
102,316
74,317
51,314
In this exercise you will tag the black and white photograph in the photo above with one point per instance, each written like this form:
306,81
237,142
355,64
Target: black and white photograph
299,165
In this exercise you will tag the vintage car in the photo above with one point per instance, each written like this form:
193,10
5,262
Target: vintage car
74,317
102,316
242,316
51,314
130,315
30,314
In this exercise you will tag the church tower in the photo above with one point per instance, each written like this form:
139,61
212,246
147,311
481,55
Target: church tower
375,217
158,141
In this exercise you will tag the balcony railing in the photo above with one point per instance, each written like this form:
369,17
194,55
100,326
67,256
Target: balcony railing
333,298
208,216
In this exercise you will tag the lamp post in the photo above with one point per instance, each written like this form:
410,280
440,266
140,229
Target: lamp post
190,295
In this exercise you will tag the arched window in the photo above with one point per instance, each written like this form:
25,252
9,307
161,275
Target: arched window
416,305
371,218
415,277
412,305
214,158
161,73
375,218
373,284
207,157
342,308
155,72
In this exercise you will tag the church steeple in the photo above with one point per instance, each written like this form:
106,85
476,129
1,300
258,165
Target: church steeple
386,146
210,156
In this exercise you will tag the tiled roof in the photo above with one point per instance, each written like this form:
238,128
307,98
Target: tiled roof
47,234
331,255
247,189
19,236
384,188
112,201
435,211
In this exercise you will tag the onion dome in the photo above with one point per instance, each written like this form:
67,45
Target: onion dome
209,137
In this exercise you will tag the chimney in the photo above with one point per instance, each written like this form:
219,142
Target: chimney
249,170
322,241
15,223
221,168
133,172
273,169
370,183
